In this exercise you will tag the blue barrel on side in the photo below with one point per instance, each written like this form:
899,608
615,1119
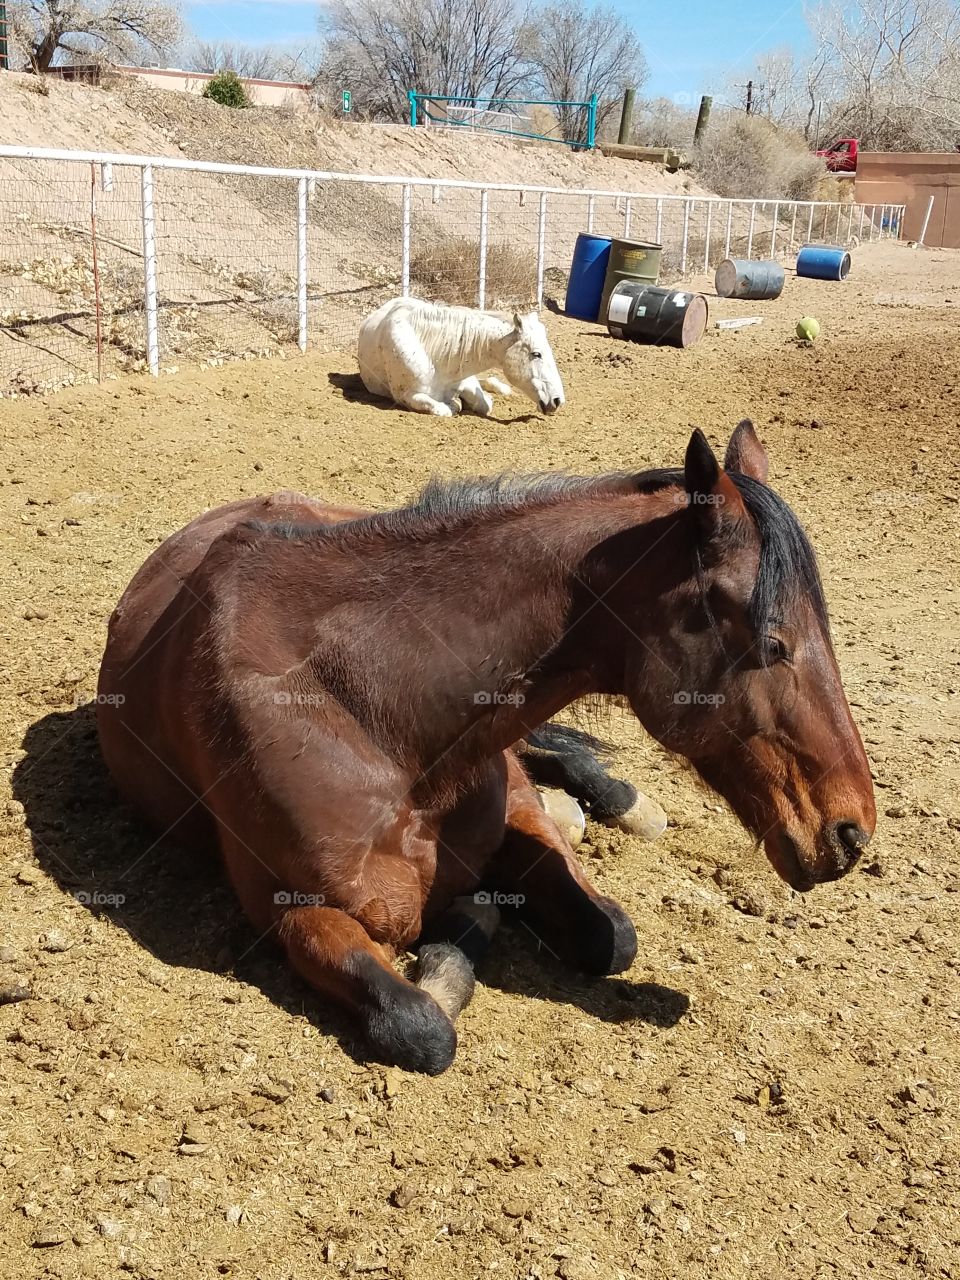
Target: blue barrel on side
749,278
823,262
588,270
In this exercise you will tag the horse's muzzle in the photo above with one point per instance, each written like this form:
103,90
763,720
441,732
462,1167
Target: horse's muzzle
841,845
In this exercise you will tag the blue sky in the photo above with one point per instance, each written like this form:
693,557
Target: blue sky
692,45
695,46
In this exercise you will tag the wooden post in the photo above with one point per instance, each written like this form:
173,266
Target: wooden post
703,119
626,116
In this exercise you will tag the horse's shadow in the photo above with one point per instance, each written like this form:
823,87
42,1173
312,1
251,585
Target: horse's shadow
351,387
180,908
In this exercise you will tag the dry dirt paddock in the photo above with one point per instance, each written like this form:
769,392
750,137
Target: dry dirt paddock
771,1092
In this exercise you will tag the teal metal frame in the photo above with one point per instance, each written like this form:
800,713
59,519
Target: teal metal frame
414,98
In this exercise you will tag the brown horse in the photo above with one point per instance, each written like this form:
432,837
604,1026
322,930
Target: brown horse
331,698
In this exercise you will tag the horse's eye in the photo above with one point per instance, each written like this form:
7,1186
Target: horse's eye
774,650
536,355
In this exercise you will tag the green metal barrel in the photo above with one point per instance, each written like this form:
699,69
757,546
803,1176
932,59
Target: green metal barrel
634,261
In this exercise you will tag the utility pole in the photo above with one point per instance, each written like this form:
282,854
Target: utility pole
749,97
4,49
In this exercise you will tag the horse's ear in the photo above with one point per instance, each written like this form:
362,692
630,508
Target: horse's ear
517,321
712,496
746,454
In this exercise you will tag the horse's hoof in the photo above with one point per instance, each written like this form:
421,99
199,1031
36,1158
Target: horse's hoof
445,973
566,813
644,818
411,1031
609,940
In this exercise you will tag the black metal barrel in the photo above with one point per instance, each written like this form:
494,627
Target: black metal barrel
646,313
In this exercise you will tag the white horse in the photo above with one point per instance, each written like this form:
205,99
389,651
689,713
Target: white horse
439,359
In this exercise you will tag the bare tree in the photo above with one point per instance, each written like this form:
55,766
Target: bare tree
663,122
258,62
463,48
48,30
577,52
893,70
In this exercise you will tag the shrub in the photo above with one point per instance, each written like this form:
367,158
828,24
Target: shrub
745,155
448,272
226,87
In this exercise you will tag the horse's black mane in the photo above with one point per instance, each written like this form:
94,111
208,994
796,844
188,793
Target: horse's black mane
787,569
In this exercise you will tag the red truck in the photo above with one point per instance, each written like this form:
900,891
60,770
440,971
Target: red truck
841,156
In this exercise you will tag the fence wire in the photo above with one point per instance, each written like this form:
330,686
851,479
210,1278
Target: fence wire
243,262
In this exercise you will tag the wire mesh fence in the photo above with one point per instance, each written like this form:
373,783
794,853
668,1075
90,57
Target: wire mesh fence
114,264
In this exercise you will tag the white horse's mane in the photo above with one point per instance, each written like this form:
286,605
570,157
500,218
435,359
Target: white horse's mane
450,333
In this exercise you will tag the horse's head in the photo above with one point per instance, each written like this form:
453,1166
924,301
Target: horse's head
529,365
747,686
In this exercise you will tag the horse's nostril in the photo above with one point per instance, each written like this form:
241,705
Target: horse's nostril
557,402
850,842
852,836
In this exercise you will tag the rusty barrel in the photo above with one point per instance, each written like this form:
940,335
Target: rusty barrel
646,313
757,279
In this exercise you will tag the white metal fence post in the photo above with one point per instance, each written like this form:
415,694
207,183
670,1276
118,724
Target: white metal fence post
482,282
773,236
627,217
926,221
839,216
149,269
590,205
659,232
753,222
813,208
686,236
706,236
793,225
541,247
405,244
863,214
726,247
302,264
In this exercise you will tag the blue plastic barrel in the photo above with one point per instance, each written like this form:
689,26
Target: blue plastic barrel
588,271
747,278
823,262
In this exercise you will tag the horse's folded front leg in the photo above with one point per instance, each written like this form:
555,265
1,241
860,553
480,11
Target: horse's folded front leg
537,867
496,386
403,1024
423,403
472,395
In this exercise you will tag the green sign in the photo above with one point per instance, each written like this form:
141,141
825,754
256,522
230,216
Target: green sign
347,101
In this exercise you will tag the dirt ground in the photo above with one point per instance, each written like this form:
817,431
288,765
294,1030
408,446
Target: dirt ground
770,1092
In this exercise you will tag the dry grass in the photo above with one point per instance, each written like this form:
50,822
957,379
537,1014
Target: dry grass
749,156
447,272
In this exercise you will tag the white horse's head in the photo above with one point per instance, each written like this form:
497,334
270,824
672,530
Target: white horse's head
529,364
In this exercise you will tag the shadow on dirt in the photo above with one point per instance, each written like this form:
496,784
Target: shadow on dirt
179,907
350,386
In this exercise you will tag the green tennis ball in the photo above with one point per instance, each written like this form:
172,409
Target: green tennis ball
808,328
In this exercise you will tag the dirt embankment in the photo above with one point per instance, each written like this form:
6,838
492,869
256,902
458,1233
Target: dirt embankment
134,118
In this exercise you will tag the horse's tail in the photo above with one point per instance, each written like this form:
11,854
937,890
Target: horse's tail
562,739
